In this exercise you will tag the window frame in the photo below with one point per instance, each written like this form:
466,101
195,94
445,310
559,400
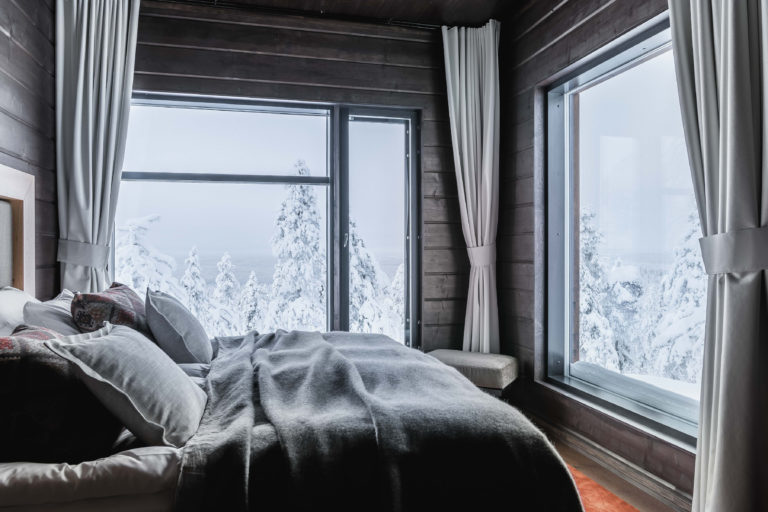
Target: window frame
336,183
649,406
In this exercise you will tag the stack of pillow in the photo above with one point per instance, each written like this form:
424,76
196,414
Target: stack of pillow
75,369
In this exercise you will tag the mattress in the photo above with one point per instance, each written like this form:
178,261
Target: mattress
137,479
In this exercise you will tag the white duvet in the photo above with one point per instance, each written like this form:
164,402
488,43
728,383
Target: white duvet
138,479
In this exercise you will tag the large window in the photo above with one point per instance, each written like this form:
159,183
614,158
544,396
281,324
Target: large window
626,285
263,216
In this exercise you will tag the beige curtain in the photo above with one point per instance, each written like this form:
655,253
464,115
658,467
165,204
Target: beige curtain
95,50
472,78
720,51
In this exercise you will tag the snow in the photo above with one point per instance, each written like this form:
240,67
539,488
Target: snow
296,296
643,322
690,390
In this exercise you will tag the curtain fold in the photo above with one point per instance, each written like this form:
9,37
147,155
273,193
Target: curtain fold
720,49
472,79
95,51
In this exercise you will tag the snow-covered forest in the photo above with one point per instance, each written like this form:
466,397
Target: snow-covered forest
638,321
296,297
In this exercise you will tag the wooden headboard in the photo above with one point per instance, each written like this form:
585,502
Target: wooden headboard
17,189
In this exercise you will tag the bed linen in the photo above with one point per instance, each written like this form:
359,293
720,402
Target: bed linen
339,421
137,479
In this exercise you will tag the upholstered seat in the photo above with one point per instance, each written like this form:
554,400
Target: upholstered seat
488,371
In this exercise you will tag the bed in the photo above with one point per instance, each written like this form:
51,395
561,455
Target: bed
285,420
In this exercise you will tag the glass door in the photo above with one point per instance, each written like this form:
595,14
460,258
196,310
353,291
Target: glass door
376,245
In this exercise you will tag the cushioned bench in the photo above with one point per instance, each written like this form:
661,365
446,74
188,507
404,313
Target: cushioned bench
491,372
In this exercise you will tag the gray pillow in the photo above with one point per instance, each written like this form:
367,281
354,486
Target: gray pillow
137,382
176,330
54,314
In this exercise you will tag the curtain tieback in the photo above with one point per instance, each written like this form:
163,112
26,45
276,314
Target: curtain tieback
482,256
740,250
83,253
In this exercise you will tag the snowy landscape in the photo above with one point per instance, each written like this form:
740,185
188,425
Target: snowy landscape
642,322
295,298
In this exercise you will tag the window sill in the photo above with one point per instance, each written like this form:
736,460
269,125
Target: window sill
653,422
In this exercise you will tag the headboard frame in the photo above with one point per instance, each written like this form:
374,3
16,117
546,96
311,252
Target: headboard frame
18,189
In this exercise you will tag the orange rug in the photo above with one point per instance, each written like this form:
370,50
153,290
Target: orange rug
597,498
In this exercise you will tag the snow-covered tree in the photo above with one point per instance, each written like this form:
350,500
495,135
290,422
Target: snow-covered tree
624,310
140,265
227,286
596,335
676,347
224,313
195,291
299,280
367,288
253,304
396,304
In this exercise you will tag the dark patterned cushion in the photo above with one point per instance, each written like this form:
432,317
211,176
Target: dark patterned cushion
118,305
48,415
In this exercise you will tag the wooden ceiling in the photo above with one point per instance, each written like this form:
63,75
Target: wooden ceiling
426,12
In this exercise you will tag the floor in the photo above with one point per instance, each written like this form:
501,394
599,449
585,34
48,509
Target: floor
633,496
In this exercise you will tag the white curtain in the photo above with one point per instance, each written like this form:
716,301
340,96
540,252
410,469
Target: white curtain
95,50
721,50
472,78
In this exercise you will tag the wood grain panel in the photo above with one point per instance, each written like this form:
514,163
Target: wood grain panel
438,312
295,22
443,235
15,22
445,261
447,286
39,14
433,106
27,120
25,107
442,336
193,49
451,12
441,209
279,69
437,159
438,184
282,41
16,63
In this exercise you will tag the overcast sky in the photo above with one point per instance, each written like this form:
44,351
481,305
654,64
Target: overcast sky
634,171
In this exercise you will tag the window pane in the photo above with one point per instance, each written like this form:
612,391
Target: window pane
224,141
241,257
377,273
640,286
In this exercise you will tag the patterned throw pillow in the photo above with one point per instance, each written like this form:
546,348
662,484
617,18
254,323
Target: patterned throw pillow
48,415
118,305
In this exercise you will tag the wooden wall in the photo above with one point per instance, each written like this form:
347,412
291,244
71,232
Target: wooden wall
539,41
218,51
27,118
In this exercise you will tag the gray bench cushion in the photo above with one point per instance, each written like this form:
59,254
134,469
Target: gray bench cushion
494,371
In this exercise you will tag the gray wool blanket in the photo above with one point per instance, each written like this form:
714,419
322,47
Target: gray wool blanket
339,421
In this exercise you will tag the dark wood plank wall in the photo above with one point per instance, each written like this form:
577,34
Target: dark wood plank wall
539,41
218,51
27,118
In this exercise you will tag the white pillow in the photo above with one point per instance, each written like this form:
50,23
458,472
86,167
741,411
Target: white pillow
12,303
54,314
136,382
